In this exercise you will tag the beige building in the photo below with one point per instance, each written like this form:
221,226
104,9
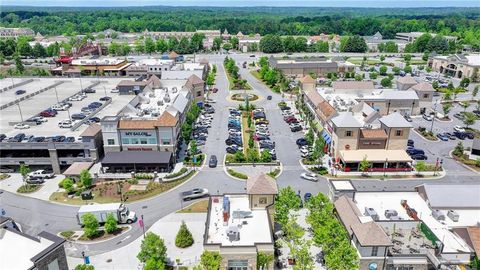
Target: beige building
15,32
320,66
240,225
458,65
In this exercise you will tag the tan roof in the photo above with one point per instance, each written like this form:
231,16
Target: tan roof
77,167
262,185
406,80
193,80
307,79
474,234
373,133
347,212
154,81
423,87
375,155
131,83
353,85
91,130
165,120
314,97
203,61
371,234
322,108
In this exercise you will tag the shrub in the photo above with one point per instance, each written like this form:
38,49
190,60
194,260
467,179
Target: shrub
67,234
184,237
67,184
237,174
173,175
28,188
84,267
110,224
132,181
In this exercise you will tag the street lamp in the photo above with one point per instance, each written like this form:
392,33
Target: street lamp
56,93
20,110
434,114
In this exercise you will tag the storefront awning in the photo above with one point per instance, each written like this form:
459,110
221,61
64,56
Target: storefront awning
326,137
137,157
374,155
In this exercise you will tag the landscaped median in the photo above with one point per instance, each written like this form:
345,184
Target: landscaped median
109,191
426,134
236,82
237,174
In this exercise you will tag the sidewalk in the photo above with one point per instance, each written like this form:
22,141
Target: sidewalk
15,180
166,228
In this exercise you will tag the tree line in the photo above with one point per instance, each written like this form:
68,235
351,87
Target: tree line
460,22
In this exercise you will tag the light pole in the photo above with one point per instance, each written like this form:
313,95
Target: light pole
20,110
434,114
56,93
105,90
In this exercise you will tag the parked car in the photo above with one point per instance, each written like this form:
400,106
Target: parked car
114,90
60,107
215,90
427,117
48,113
78,116
458,128
262,122
65,124
460,135
451,136
70,139
470,135
194,194
2,137
20,92
419,157
213,161
41,174
309,176
35,181
232,149
39,119
21,126
105,98
269,97
301,142
442,137
415,151
89,90
307,196
408,118
410,142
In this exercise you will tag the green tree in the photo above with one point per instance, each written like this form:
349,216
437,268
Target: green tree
407,69
407,57
425,56
271,44
210,260
354,44
293,231
475,91
286,200
23,48
289,44
263,260
386,82
161,45
465,82
322,46
396,70
184,237
266,156
458,150
421,43
310,137
149,45
446,108
342,257
373,75
300,44
193,148
90,225
217,43
172,43
438,44
18,64
86,178
114,48
126,49
420,167
382,58
239,156
300,251
227,46
383,70
139,47
390,47
469,119
24,171
435,85
465,105
39,51
364,165
110,224
152,264
153,248
234,41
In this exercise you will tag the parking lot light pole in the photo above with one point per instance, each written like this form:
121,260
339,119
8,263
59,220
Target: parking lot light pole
56,94
20,110
434,114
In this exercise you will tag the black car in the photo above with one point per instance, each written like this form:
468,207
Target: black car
269,97
295,128
89,90
70,139
95,119
415,151
410,143
2,137
267,144
105,98
20,92
232,149
39,139
460,135
213,161
470,135
419,157
301,142
19,137
285,108
78,116
59,138
35,180
200,137
231,141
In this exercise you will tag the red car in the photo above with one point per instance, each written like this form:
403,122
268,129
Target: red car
214,90
292,120
47,114
289,118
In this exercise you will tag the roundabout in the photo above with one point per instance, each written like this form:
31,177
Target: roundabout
244,96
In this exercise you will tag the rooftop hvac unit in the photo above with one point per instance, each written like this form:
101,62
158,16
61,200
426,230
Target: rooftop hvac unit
241,214
160,103
389,213
233,233
166,98
372,213
454,216
438,215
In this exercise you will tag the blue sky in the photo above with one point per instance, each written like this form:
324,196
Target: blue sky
227,3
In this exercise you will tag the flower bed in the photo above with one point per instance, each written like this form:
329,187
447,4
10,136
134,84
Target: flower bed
173,175
237,174
28,188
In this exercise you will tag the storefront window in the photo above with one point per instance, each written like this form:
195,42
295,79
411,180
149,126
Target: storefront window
133,141
143,141
152,141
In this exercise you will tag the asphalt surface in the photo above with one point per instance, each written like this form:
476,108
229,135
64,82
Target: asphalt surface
36,215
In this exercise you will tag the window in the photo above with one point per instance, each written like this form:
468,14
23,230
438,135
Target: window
237,265
152,141
262,200
165,142
348,133
125,141
425,95
110,141
199,93
398,133
53,265
133,141
374,251
143,141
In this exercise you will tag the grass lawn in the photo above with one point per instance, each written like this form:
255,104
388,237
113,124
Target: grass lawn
197,207
231,85
256,74
245,133
106,192
416,62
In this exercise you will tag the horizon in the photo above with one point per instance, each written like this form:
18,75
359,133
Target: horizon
246,3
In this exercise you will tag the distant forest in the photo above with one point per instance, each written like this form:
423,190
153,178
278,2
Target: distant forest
461,22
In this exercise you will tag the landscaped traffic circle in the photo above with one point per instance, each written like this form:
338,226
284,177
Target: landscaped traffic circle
244,96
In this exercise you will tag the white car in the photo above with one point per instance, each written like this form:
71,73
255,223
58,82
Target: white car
40,119
76,98
210,101
65,124
21,126
459,129
114,90
59,107
427,117
41,174
309,176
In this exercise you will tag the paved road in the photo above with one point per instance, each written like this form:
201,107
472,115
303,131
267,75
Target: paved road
36,215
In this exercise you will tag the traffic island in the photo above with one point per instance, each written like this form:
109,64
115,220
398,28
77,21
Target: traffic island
244,96
100,236
428,135
28,188
109,191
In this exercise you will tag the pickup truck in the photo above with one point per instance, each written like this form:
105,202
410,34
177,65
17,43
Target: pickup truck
42,174
194,194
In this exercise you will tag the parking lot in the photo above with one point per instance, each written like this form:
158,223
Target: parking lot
36,104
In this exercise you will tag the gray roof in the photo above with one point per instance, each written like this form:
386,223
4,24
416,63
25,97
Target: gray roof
137,157
453,196
180,103
400,95
180,74
395,120
346,119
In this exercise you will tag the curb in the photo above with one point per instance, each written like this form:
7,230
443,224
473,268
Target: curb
226,172
100,241
421,136
461,163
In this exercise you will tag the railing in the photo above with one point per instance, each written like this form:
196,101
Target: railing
16,85
30,95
